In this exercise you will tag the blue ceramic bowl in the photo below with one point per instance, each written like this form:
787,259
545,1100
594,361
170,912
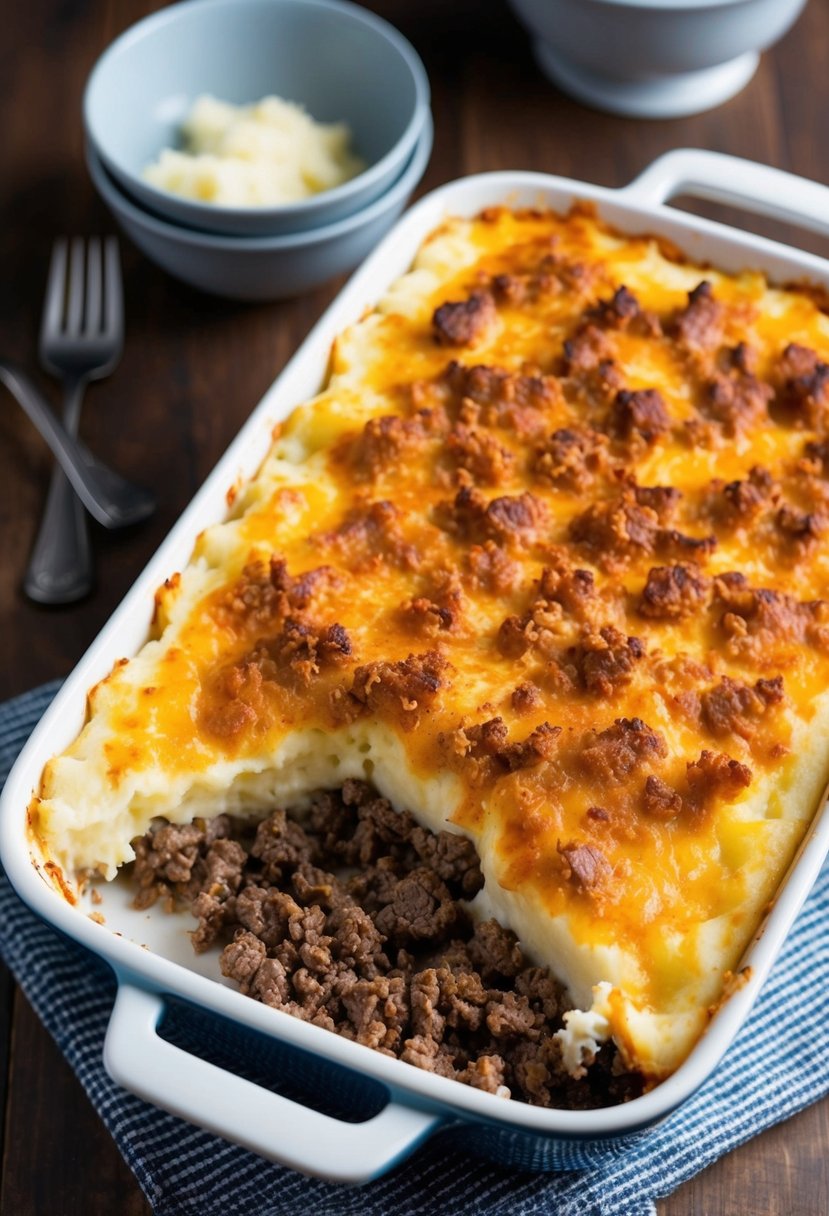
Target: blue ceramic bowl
338,60
262,268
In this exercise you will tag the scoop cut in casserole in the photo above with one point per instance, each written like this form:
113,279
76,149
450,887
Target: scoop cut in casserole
545,563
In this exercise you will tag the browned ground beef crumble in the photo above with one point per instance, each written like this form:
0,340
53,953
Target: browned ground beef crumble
356,921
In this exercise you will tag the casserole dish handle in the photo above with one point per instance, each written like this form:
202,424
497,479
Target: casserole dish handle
137,1058
730,179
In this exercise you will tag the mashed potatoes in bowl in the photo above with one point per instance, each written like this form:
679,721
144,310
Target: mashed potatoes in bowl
260,155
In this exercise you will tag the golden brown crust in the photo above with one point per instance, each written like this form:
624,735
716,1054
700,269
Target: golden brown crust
802,386
464,322
511,507
698,326
400,691
572,458
639,416
672,592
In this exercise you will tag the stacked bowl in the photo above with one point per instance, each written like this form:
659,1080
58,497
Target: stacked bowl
336,60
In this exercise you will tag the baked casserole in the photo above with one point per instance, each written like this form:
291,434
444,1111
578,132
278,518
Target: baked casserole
543,566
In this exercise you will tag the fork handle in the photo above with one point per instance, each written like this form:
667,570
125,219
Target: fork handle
60,569
109,498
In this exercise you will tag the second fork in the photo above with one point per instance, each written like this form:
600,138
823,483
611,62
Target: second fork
81,337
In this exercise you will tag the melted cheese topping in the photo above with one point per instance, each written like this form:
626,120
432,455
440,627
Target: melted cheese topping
545,561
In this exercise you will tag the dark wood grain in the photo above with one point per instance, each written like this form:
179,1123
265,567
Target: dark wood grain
58,1157
192,370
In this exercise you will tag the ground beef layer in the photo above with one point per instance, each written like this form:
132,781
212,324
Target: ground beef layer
357,921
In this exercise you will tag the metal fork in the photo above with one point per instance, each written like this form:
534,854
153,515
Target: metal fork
108,497
81,337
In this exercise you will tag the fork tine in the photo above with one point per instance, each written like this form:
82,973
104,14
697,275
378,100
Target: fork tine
52,321
92,320
113,290
74,312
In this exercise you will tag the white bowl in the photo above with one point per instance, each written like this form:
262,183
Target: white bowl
262,268
338,60
653,58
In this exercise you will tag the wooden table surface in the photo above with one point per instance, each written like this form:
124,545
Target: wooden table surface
193,368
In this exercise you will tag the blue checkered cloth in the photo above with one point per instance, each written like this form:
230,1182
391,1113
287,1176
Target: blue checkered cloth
779,1064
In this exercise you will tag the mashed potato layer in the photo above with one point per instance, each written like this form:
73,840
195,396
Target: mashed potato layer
547,561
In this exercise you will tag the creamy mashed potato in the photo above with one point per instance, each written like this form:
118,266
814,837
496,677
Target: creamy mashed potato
255,156
547,561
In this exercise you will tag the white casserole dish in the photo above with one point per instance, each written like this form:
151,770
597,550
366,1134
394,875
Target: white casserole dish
150,952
